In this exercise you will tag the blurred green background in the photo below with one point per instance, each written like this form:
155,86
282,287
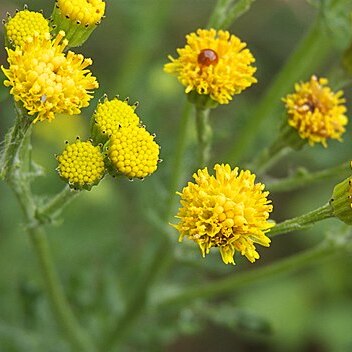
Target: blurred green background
107,237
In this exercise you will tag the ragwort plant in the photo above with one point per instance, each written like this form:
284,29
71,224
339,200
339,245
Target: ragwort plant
227,211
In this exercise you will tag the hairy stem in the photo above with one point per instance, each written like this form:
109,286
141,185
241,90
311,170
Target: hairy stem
56,204
303,178
303,221
204,133
60,306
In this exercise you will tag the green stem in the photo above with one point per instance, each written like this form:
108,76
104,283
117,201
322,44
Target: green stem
55,206
204,133
62,311
311,52
16,168
178,157
287,140
13,143
238,280
303,221
60,306
162,255
227,11
303,178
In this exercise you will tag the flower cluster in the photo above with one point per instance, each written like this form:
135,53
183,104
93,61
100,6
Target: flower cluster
316,112
48,81
213,63
131,149
119,145
228,210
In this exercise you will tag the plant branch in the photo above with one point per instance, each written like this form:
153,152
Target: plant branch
204,133
303,221
303,178
238,280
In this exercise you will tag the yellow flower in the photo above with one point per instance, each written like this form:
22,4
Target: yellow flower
87,12
81,164
48,81
133,151
110,115
227,210
23,26
316,112
213,63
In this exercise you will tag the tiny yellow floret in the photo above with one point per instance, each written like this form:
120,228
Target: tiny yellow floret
110,115
316,112
228,210
88,12
133,152
46,80
213,63
23,26
81,164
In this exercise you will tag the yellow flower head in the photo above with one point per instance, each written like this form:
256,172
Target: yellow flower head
81,164
213,63
48,81
23,26
316,112
110,115
87,12
133,152
227,210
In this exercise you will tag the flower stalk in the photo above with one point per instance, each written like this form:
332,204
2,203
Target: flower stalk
238,280
13,142
54,207
287,140
204,134
60,306
303,178
15,169
303,221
